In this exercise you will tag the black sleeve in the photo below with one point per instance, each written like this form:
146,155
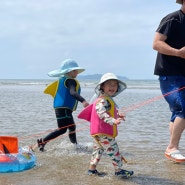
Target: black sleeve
71,85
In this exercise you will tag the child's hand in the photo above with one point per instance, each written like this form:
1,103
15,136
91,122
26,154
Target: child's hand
121,115
118,121
85,104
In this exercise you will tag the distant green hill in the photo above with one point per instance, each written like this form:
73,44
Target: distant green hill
96,77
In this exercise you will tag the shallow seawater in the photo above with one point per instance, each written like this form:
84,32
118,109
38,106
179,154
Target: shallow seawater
28,114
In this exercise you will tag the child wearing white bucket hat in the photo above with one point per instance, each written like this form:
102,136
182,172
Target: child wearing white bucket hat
104,117
66,94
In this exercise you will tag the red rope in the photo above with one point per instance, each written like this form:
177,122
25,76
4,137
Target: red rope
151,100
126,110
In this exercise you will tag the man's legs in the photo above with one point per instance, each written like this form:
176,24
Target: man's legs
176,130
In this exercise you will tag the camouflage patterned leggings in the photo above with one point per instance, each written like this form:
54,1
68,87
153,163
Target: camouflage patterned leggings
110,147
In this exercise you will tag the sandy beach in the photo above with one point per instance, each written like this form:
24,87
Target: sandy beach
142,138
57,169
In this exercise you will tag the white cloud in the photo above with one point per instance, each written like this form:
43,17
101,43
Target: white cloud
41,31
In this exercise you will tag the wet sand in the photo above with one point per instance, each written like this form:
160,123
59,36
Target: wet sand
142,139
59,166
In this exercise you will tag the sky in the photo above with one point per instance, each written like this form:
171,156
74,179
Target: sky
101,35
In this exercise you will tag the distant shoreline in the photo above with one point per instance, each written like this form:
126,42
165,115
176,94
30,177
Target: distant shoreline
92,77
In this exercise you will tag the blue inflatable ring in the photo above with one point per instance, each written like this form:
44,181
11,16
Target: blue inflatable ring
21,161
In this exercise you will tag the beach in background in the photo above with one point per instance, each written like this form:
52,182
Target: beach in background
26,112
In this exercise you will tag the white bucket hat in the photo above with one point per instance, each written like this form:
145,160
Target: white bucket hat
179,1
110,76
66,66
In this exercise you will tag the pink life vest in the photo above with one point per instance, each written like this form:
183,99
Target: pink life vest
97,125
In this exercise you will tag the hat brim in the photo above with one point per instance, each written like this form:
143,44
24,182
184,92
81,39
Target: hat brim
121,87
58,73
179,1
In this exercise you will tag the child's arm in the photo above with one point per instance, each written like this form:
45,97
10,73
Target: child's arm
102,107
71,84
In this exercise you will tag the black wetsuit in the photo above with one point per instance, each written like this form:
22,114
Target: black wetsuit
65,118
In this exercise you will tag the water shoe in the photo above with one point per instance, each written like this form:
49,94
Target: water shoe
124,173
41,144
96,173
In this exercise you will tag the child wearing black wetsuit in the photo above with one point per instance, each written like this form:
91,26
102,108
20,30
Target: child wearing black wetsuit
66,94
